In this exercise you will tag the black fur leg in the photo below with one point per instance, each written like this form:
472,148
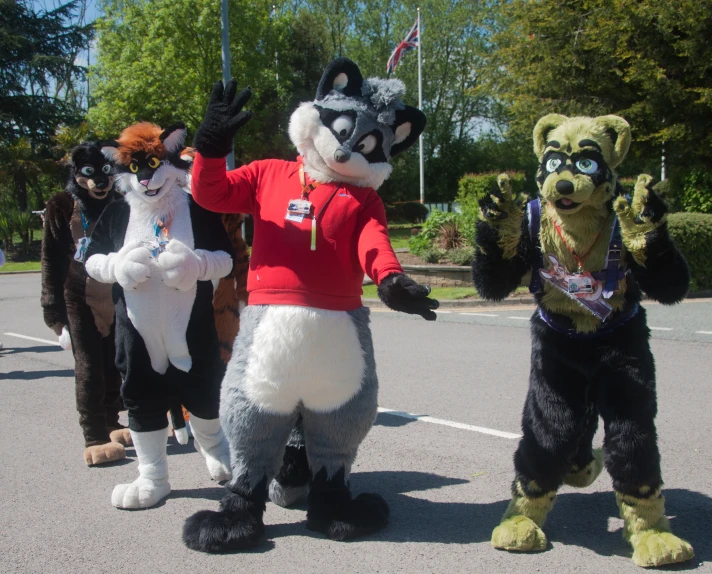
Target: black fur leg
333,512
237,526
295,467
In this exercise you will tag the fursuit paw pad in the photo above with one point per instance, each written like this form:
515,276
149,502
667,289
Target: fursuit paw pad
364,515
583,477
655,548
519,534
121,436
103,453
286,496
216,532
141,493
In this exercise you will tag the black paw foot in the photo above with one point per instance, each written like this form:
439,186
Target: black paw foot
216,532
364,515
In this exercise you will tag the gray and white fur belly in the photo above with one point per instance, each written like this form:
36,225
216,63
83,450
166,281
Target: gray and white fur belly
298,355
161,314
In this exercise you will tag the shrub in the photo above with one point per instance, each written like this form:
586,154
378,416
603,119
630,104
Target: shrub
433,255
432,230
697,191
7,230
473,187
462,256
692,233
408,212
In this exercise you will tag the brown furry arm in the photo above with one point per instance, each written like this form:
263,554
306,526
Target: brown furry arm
57,245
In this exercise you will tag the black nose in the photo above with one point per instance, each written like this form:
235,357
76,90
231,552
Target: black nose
565,187
101,184
341,156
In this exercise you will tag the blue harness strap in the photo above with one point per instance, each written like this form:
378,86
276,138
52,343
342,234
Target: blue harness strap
534,216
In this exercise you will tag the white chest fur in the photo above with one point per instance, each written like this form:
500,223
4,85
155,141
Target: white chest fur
304,354
159,313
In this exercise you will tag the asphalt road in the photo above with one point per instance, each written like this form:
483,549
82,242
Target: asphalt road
446,476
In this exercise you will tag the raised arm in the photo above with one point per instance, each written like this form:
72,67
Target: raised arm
656,263
211,187
502,244
56,246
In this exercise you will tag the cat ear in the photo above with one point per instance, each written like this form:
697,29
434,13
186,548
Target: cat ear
173,137
341,75
619,131
542,129
410,123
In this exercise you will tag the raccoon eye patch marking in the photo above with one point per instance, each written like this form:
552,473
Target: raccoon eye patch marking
133,166
87,170
154,162
106,169
587,166
553,164
342,126
366,145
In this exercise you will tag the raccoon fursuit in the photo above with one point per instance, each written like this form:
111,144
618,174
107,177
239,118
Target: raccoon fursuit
304,355
161,250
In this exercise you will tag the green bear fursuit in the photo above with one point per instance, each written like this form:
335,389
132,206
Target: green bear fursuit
590,350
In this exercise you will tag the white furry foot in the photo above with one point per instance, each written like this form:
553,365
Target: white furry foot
218,468
141,493
286,496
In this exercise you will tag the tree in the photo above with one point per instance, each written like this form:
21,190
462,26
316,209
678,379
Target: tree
646,61
39,87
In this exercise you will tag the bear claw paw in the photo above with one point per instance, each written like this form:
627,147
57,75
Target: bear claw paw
519,534
655,548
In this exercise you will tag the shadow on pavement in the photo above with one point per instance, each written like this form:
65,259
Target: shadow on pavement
389,420
41,349
34,375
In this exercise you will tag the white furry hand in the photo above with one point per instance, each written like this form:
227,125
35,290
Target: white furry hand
131,265
180,265
214,264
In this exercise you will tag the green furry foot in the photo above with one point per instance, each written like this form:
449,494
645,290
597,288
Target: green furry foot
519,534
581,478
655,548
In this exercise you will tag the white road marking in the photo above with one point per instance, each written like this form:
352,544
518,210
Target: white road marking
480,314
439,311
462,426
704,332
520,318
661,328
32,338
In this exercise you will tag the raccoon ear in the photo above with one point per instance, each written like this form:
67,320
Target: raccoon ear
341,75
410,123
619,131
109,148
542,129
173,137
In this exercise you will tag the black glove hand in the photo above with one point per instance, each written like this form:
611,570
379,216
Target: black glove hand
401,293
54,321
223,118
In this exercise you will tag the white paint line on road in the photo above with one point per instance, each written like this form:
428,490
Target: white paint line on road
520,318
661,328
32,339
704,332
480,314
439,311
461,426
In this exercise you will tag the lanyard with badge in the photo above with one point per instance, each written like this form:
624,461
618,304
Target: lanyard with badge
161,238
83,243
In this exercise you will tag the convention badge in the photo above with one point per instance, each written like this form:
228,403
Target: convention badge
298,209
581,287
156,247
82,246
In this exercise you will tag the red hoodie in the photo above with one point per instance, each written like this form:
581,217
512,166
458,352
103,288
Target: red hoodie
351,233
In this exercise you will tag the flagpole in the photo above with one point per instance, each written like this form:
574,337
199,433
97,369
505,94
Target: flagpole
420,106
226,63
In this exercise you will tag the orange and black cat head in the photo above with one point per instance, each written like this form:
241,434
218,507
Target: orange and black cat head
148,158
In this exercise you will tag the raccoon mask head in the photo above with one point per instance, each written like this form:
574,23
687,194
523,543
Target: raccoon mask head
92,173
578,156
354,126
148,162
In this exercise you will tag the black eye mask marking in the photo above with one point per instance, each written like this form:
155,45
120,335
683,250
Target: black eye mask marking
377,155
328,117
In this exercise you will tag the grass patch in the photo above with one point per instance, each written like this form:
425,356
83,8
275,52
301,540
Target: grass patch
21,266
370,292
399,236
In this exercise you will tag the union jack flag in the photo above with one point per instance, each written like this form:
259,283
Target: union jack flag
410,43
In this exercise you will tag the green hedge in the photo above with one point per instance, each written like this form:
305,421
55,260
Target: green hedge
474,186
407,212
692,233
